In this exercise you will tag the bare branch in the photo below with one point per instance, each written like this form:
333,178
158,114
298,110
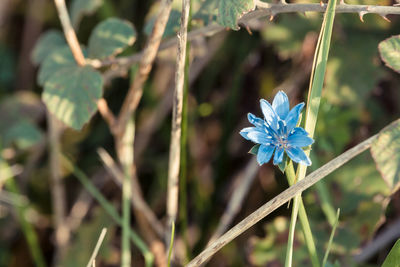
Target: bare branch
146,63
263,10
69,32
279,200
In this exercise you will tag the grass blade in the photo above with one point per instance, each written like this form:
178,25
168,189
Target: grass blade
331,238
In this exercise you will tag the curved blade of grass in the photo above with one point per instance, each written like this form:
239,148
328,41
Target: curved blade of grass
109,208
331,238
313,102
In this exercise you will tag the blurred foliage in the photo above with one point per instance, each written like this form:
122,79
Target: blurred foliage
360,97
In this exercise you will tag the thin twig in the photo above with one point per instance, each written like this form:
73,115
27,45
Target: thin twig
146,63
69,32
97,247
279,200
175,144
62,231
264,9
105,112
137,200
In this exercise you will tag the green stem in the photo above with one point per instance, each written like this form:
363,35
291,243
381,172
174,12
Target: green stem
291,176
22,210
328,249
171,243
292,227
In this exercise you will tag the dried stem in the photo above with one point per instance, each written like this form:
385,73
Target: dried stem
69,32
62,232
263,10
175,144
97,247
279,200
146,63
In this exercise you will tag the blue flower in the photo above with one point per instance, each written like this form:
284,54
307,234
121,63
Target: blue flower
278,132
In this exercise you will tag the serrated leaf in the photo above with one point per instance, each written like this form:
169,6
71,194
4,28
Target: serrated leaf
111,37
390,52
71,94
386,153
79,8
229,11
59,59
393,258
47,43
254,149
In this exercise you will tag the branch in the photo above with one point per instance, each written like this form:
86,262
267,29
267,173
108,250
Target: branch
175,144
279,200
146,63
97,247
69,32
263,10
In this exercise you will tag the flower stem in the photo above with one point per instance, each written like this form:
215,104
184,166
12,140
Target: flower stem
291,176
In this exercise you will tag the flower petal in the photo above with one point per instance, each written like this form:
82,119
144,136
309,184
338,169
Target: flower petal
259,137
264,154
269,114
278,155
298,155
255,120
293,117
300,139
281,104
244,132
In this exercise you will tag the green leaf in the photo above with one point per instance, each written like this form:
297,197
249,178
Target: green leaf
23,134
390,52
59,59
71,94
229,11
47,43
79,8
111,37
386,153
282,166
393,259
254,149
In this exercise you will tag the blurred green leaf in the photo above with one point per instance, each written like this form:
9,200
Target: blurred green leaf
71,94
390,52
80,8
229,11
80,250
111,37
47,42
352,73
23,134
18,116
287,35
7,67
386,153
393,259
59,59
